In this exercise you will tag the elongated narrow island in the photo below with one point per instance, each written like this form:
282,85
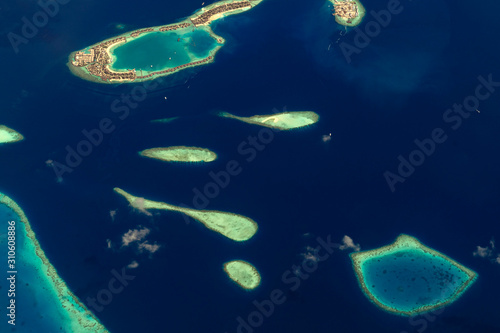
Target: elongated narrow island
180,154
164,120
8,135
233,226
42,301
243,273
148,53
281,121
349,13
408,278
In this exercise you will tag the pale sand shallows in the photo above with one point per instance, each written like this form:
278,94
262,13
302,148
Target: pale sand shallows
76,318
180,154
233,226
243,273
8,135
282,121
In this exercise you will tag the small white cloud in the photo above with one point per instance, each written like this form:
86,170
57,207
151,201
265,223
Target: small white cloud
108,243
482,252
133,264
134,235
347,243
112,214
151,248
310,254
488,252
140,205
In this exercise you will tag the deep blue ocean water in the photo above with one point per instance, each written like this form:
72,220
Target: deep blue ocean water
282,54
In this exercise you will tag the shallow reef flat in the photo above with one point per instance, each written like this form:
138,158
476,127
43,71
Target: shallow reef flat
43,301
408,278
281,121
233,226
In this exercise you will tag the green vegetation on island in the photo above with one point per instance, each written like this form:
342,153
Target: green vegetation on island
408,278
243,273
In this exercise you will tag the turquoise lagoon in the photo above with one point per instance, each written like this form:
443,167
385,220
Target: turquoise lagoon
157,51
43,301
410,279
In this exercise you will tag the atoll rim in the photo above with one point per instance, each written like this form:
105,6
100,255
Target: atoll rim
408,278
57,308
148,53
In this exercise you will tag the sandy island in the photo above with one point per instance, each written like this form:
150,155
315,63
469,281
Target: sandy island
282,121
243,273
233,226
180,154
8,135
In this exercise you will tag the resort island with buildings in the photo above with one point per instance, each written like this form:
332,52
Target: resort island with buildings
125,58
349,13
